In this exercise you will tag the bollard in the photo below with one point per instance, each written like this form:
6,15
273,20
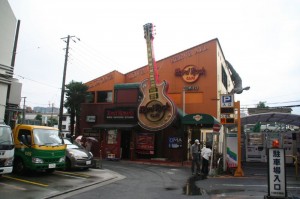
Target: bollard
296,166
100,161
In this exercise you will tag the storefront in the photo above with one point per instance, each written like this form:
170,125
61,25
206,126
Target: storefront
130,127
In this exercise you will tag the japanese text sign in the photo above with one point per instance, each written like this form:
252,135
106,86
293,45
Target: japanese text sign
277,181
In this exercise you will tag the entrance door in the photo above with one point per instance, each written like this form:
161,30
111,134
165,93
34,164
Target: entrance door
125,144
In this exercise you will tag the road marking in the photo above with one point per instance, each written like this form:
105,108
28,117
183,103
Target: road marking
72,174
243,185
247,185
12,186
26,181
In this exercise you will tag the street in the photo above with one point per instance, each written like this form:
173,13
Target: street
127,179
155,181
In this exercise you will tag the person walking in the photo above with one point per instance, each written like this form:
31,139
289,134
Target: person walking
205,153
88,145
194,150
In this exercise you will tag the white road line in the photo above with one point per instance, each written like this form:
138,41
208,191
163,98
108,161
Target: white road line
3,185
246,185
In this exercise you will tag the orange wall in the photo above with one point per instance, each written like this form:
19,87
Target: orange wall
201,100
201,56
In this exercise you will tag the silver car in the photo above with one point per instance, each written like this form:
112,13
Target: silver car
77,156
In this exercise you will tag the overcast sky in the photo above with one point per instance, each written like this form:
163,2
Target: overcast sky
260,38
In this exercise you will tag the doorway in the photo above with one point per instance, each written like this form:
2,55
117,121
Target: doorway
125,144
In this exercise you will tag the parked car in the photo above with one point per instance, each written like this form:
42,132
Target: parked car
77,157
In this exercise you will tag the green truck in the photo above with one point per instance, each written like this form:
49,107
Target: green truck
38,148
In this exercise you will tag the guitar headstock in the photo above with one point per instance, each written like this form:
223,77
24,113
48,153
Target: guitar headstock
149,31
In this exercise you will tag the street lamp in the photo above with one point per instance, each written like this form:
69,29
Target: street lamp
239,90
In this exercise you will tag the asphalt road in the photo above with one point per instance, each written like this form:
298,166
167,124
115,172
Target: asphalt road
141,181
154,181
125,179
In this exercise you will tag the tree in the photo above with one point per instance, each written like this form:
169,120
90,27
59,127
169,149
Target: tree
76,93
38,117
261,105
52,121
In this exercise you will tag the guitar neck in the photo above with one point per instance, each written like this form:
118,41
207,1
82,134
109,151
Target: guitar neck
153,92
152,65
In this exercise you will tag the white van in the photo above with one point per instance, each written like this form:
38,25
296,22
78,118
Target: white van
7,149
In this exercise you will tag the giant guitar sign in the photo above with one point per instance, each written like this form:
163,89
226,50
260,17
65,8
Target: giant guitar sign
156,111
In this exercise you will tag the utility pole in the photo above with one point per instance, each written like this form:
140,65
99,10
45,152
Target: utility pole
239,171
63,82
23,117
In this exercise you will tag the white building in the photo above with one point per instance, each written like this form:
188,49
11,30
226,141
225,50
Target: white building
8,23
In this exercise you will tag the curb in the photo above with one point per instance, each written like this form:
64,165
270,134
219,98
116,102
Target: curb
79,189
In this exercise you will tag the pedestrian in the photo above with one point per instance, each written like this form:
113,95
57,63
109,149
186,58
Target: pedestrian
88,145
206,154
194,150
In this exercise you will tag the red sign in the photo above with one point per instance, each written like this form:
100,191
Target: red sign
190,73
216,127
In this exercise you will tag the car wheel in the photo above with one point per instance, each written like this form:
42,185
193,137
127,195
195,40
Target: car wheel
68,165
50,170
19,166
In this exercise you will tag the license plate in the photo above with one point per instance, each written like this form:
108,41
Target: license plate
51,166
88,162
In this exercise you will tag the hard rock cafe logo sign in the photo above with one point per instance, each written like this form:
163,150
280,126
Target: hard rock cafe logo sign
197,117
190,73
154,110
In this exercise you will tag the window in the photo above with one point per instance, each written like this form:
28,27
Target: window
90,98
24,136
104,96
224,78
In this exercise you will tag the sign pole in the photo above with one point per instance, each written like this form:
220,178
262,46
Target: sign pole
239,171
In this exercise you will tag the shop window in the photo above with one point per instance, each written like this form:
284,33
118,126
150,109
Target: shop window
90,98
112,137
104,96
64,127
224,78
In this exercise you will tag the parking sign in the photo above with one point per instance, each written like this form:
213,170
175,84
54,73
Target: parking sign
227,101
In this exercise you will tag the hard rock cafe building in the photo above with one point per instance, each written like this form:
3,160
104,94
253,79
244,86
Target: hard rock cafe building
196,78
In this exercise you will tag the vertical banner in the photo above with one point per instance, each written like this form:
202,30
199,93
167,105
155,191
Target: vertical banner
232,150
277,177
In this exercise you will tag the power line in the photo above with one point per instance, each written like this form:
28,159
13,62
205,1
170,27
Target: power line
272,103
36,81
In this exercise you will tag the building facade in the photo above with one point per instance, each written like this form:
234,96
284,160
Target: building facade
10,88
194,79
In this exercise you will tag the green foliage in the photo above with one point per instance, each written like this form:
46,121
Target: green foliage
261,105
76,93
256,128
38,117
52,121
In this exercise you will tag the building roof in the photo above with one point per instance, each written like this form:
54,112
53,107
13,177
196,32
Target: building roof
285,118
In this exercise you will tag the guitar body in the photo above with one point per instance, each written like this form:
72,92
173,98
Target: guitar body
155,114
156,111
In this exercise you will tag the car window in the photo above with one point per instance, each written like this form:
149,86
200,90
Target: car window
72,146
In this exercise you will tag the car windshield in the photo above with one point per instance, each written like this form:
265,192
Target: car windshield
5,136
46,137
70,145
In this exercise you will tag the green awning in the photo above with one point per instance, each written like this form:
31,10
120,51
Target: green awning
127,86
199,118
